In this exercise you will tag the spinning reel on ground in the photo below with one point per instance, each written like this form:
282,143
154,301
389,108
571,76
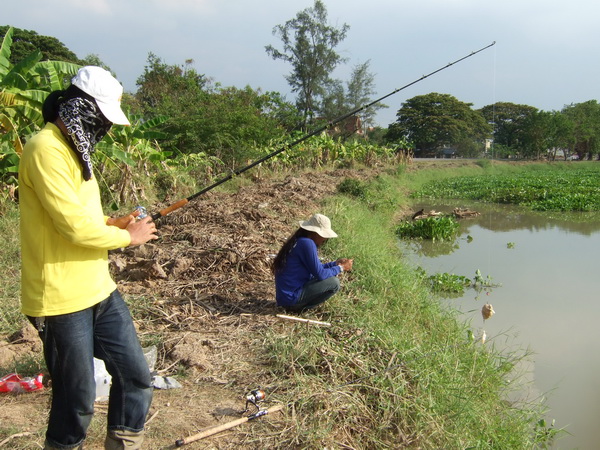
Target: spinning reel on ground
254,398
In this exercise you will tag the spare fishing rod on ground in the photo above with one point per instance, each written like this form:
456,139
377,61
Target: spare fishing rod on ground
183,202
258,395
254,398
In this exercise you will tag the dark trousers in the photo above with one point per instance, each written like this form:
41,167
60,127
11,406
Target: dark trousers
314,293
71,341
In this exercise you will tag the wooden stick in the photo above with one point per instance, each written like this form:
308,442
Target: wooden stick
226,426
26,433
152,418
300,319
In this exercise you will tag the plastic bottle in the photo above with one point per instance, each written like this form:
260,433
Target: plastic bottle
143,213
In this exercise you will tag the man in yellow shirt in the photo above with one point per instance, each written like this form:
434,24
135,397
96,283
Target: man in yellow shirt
66,289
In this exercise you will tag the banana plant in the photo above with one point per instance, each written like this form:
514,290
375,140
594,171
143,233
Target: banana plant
23,88
128,149
132,144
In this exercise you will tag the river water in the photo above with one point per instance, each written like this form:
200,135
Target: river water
546,300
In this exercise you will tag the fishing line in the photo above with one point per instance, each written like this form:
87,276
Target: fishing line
490,310
493,136
183,202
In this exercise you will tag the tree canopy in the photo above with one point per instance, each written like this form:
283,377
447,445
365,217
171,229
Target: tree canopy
25,42
202,117
434,121
196,114
309,44
508,121
585,123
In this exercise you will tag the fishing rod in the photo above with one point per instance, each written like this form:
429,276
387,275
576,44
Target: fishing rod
183,202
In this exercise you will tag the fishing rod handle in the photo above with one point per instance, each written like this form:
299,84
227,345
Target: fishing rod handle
170,209
226,426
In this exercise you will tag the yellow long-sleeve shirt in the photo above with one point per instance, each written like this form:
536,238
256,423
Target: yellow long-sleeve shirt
64,236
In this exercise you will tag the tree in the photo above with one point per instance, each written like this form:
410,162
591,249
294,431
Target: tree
233,122
308,45
224,122
94,60
508,121
358,92
585,118
535,138
559,131
434,121
361,89
176,92
26,42
334,102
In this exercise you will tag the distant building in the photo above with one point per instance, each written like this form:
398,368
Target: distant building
348,127
449,152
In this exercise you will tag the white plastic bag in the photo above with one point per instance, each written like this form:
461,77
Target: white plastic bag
103,380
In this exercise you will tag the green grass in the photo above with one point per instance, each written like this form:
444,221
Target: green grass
10,275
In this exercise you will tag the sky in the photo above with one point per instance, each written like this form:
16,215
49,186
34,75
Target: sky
545,53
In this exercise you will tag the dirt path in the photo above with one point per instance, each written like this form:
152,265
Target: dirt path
204,292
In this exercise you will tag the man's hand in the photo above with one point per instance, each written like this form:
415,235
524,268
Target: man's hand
141,231
123,221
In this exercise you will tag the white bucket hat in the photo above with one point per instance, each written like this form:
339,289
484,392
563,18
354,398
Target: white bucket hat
106,90
320,224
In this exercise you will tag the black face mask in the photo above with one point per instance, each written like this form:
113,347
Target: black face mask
86,126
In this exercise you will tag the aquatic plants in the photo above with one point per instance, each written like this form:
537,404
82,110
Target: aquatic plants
555,189
440,228
452,285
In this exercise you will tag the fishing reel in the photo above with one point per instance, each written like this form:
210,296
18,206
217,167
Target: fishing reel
143,213
254,398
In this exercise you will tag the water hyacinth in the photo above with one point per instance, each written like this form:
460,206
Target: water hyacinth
558,190
440,228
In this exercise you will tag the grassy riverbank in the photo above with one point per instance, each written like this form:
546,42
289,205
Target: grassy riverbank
396,370
393,370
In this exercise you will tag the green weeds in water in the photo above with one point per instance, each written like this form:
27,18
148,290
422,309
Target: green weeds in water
559,188
446,283
442,228
452,285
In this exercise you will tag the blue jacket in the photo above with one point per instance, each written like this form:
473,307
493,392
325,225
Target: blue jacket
302,265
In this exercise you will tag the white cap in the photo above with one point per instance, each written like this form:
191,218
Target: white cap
106,90
320,224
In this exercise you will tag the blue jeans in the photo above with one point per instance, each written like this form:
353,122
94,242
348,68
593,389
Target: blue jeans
314,293
71,341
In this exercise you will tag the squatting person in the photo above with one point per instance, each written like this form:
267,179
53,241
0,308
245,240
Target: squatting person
302,281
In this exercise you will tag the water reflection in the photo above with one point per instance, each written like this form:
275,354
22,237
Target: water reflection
547,268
